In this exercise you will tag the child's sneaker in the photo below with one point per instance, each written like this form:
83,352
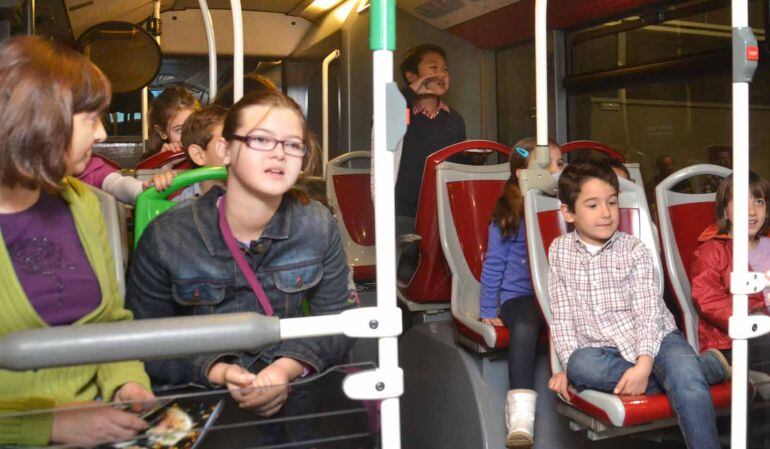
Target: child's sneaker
520,418
717,356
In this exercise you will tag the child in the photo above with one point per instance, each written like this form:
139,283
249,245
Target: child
713,263
611,330
224,245
100,174
168,113
433,126
203,143
55,264
619,168
506,290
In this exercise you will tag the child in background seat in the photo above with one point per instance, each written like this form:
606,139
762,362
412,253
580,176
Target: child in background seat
168,113
506,292
713,263
610,328
203,143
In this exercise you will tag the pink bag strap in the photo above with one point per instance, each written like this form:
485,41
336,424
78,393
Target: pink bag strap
240,260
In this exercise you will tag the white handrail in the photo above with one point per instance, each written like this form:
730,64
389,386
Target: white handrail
325,105
738,434
235,6
541,71
208,24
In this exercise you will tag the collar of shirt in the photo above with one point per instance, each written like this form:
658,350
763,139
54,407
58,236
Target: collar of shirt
418,108
582,245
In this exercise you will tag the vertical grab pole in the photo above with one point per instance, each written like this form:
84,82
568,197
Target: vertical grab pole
235,6
325,105
541,80
208,24
145,95
382,42
742,73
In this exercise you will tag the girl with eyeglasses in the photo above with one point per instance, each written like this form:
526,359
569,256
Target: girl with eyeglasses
261,247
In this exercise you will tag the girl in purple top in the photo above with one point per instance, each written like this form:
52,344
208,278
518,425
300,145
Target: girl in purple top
506,293
53,269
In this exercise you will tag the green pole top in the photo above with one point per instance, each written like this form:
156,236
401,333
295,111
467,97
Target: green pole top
383,25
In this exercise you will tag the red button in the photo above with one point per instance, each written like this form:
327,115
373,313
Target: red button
752,53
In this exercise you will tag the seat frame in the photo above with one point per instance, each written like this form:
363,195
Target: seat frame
362,258
466,289
679,279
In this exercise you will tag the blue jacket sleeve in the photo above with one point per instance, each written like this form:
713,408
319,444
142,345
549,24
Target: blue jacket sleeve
492,273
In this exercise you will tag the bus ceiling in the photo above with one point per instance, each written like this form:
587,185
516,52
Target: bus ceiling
284,23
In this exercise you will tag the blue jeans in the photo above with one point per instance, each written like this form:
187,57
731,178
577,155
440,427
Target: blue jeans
677,371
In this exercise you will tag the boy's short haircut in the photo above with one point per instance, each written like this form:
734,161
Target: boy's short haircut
614,163
413,57
197,128
572,178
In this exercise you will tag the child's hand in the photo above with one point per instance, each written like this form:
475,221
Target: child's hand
161,181
272,386
132,392
493,321
420,85
174,147
635,379
559,385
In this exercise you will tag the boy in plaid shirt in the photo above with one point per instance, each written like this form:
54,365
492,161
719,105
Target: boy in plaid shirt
611,328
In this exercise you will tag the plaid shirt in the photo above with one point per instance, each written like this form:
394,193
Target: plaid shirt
418,108
608,299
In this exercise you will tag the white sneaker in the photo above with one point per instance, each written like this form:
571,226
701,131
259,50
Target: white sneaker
520,418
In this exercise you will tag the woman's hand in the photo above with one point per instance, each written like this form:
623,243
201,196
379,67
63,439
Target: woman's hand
493,321
91,426
136,394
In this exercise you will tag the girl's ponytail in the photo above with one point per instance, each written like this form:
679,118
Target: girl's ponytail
510,206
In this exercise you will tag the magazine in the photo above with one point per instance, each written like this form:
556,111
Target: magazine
174,424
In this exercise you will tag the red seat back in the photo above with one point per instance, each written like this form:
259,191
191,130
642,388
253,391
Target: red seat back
431,281
354,198
687,230
472,203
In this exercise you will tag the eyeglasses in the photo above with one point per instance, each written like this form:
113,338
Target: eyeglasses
292,147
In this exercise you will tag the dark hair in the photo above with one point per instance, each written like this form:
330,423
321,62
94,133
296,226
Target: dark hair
510,206
172,100
614,163
272,99
577,173
758,187
251,83
198,126
43,84
414,56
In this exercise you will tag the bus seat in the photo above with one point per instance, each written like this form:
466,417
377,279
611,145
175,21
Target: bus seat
602,413
151,203
679,235
115,219
430,284
166,160
466,198
349,194
633,167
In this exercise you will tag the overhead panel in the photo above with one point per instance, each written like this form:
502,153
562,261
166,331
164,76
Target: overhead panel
265,34
446,13
281,6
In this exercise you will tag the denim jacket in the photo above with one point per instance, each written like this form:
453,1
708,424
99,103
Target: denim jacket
182,267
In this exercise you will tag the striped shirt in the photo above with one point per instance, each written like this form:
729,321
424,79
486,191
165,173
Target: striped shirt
607,299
